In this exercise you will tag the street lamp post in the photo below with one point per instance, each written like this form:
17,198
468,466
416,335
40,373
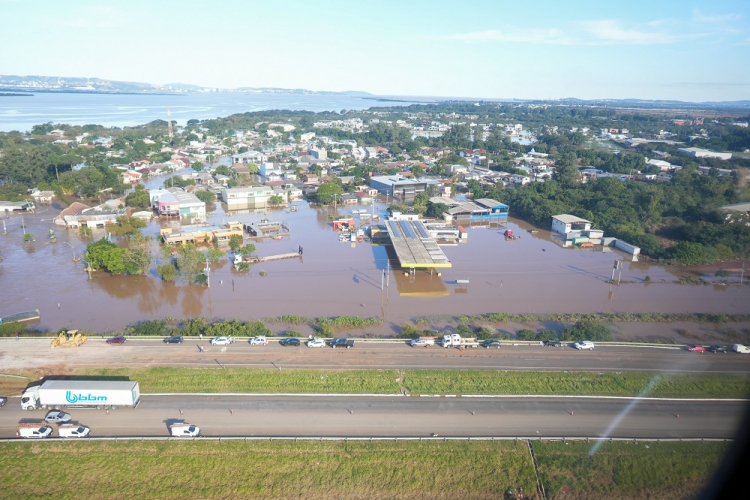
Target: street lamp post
75,259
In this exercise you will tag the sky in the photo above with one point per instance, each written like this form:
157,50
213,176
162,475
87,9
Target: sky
495,49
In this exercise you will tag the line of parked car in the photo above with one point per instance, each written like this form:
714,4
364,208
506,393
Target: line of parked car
719,348
447,341
65,427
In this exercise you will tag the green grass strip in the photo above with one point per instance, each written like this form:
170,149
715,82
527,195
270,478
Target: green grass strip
255,380
415,382
355,469
263,469
577,383
629,470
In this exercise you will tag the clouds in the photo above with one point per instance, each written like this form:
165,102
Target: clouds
613,31
550,36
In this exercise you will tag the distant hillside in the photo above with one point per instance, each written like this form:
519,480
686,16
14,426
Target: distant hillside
644,103
34,83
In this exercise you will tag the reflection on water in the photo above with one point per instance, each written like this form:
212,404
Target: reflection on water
531,274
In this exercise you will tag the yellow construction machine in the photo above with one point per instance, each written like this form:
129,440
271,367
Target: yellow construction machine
68,338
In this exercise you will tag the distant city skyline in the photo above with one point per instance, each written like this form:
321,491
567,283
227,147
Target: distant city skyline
690,51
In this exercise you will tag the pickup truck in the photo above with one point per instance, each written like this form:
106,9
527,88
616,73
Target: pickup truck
342,342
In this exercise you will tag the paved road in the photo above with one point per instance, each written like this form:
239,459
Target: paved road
362,416
36,353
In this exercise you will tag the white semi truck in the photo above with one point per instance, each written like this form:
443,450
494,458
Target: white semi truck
455,340
81,394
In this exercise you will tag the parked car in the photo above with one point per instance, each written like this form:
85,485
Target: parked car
119,339
422,342
342,343
316,343
584,344
261,340
174,339
289,341
741,349
3,400
491,343
718,348
222,341
184,430
552,343
72,430
696,348
57,417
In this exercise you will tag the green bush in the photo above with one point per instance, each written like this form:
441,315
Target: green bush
587,330
149,328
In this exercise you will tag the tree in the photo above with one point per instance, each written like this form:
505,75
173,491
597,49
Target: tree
138,198
248,249
252,168
190,262
104,254
167,272
235,242
417,171
223,170
276,199
137,257
205,196
327,192
198,166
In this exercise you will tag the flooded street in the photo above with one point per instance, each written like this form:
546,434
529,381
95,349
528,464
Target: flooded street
531,274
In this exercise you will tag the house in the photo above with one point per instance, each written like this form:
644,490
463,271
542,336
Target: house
565,223
348,199
176,202
481,211
247,197
249,157
43,197
78,214
399,186
131,177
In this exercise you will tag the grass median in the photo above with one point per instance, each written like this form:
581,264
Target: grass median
663,470
267,469
356,469
414,382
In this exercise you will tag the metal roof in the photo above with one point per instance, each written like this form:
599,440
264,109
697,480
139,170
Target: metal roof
570,219
413,245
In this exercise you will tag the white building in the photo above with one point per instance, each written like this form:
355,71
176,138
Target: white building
705,153
565,223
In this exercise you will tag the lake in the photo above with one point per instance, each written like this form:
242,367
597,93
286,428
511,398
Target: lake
120,110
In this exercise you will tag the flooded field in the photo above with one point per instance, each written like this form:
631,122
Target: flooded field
531,274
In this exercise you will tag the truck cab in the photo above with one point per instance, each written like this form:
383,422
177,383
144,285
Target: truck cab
30,399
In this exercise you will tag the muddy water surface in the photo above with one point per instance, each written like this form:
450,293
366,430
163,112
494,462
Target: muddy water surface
531,274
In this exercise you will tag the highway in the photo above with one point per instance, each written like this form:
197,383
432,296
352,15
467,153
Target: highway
35,353
394,416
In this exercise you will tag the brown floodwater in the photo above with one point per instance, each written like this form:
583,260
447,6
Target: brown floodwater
531,274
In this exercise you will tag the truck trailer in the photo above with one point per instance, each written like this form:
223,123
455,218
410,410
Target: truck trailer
81,394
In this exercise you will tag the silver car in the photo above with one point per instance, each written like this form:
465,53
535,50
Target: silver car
57,417
584,345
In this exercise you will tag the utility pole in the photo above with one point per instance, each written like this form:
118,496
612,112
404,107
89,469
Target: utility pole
208,273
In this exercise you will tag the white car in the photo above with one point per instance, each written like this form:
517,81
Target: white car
422,342
71,430
741,348
33,431
316,343
222,341
184,430
584,344
259,341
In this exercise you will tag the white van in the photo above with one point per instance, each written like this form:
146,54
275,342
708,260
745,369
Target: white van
33,431
72,430
184,430
741,348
